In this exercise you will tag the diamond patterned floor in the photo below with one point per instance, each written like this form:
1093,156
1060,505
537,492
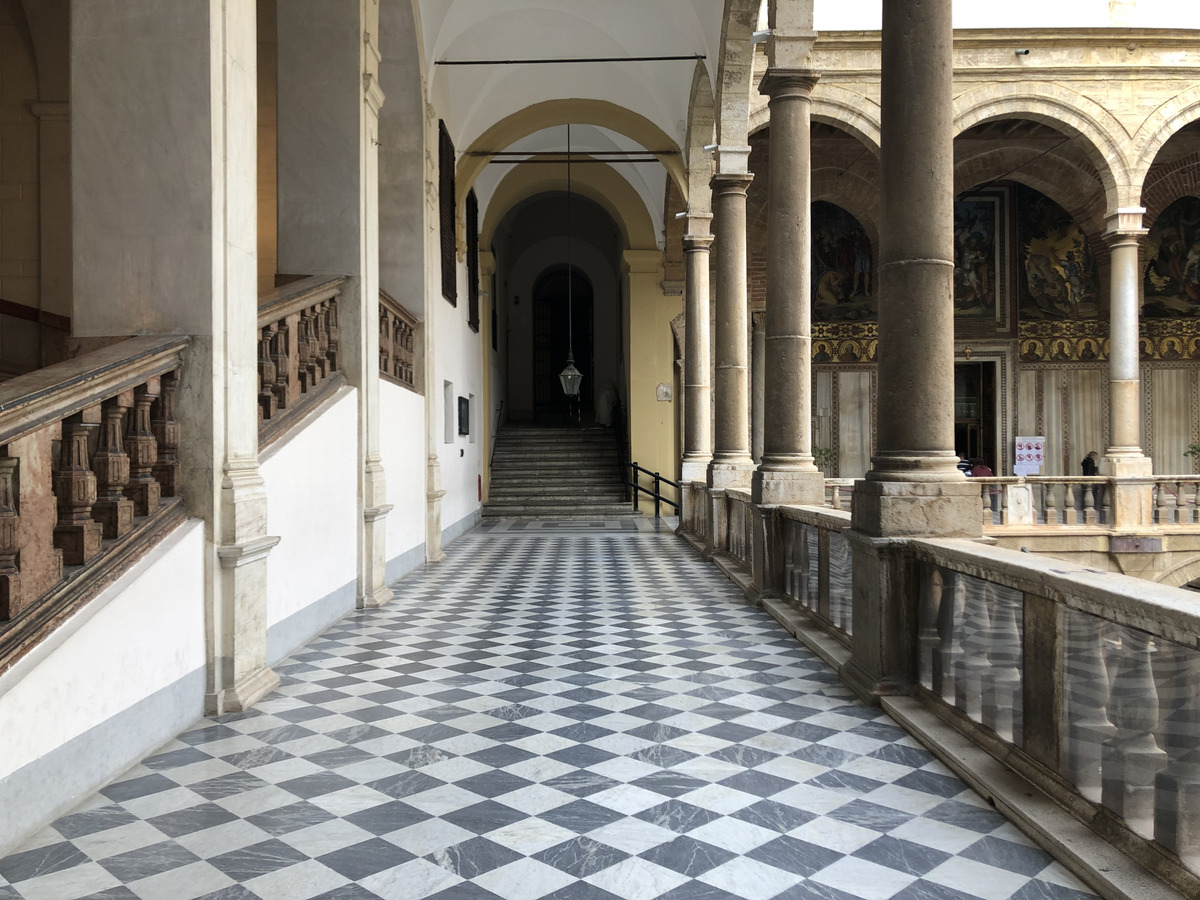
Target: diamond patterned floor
579,713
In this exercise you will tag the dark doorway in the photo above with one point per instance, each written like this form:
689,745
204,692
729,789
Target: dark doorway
975,412
550,342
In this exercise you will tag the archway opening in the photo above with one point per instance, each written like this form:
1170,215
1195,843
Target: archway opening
558,313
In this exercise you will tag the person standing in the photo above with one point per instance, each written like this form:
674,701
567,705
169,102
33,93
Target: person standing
1090,465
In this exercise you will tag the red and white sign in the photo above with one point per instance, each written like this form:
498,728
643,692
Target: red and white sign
1030,455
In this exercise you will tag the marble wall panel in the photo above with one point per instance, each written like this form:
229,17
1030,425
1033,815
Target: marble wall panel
854,422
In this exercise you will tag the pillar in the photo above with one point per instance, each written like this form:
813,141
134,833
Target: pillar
1132,504
697,391
731,465
758,383
787,474
913,487
182,261
329,216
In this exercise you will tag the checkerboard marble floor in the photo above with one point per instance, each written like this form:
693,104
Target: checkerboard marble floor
583,714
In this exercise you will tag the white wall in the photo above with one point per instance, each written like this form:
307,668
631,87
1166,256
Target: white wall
402,449
312,503
458,358
114,682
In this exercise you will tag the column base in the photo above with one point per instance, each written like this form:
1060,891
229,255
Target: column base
695,468
243,695
730,475
916,509
1132,503
788,487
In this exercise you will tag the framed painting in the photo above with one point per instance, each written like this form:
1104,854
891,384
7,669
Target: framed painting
981,259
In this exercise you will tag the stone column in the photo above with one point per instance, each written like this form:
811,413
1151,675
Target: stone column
758,382
787,474
329,215
697,440
153,262
1132,503
731,464
913,487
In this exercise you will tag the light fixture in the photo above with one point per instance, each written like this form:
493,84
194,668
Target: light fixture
570,377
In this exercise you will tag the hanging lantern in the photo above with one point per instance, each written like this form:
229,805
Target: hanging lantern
571,378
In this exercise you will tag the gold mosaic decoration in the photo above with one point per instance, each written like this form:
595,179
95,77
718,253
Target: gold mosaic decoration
1086,340
840,342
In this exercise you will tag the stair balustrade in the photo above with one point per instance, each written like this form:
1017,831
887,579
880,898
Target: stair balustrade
89,479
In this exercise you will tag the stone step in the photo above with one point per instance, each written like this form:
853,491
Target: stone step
558,511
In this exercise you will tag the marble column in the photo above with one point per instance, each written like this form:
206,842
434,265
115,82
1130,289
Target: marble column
151,261
697,434
913,487
329,216
1132,503
787,474
758,382
731,465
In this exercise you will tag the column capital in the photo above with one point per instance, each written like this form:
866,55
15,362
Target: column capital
783,83
1124,223
694,243
731,182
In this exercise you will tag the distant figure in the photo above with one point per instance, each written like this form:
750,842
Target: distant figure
980,469
1090,465
606,405
964,465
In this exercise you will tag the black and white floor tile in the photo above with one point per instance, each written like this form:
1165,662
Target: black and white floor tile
544,716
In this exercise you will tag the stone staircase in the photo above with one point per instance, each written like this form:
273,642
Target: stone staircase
540,471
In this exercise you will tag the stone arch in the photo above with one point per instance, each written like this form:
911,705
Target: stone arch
1159,127
701,131
856,194
550,113
1181,575
601,184
1168,184
1103,138
853,113
735,73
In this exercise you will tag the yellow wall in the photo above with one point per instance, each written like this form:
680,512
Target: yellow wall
652,437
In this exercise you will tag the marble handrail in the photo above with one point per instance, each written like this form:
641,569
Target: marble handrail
88,452
397,341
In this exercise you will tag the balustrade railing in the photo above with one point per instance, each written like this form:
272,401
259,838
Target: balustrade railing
397,342
741,543
299,348
1112,667
818,565
89,449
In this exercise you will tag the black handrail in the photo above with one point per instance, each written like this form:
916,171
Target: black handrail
659,481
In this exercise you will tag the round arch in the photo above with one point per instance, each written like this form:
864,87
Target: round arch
1182,574
1159,127
599,183
551,113
1064,110
855,114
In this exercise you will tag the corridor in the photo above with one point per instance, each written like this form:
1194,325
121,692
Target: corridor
572,711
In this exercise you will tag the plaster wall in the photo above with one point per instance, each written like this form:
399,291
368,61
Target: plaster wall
115,681
652,433
312,492
458,359
402,448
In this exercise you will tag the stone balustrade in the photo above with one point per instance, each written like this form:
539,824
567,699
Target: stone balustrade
397,342
738,505
89,474
298,350
1094,676
818,565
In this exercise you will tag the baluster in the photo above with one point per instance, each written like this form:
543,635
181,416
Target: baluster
112,509
281,356
11,599
403,360
985,506
1181,514
1002,695
168,433
1070,514
142,447
268,403
929,643
948,668
1085,674
1048,500
77,534
333,333
320,316
1089,504
1005,515
385,341
307,370
836,499
1177,787
1163,512
1106,491
1132,757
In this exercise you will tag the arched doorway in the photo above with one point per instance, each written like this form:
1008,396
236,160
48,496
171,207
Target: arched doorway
551,313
